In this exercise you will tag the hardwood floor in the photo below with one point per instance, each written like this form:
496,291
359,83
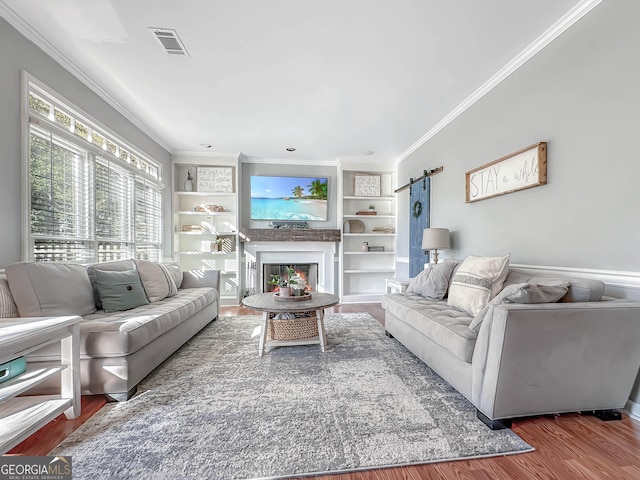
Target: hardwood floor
570,446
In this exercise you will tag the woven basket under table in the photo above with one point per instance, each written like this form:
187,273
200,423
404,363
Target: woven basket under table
292,329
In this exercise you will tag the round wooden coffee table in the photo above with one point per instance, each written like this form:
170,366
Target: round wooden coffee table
266,303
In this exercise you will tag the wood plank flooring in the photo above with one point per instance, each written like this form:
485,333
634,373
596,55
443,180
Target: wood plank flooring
570,446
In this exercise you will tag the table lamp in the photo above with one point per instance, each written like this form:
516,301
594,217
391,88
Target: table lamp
434,239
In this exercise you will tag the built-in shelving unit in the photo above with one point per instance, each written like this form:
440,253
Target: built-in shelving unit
363,271
206,225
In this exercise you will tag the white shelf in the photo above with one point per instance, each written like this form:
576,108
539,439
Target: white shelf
369,253
369,234
188,246
370,199
195,252
26,380
205,194
206,214
207,234
22,417
363,273
368,217
372,270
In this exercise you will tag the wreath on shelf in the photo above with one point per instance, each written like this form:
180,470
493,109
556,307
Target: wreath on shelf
417,208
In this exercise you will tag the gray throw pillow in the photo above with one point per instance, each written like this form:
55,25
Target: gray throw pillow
120,290
522,293
432,282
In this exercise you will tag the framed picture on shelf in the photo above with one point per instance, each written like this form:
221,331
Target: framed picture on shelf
366,185
215,179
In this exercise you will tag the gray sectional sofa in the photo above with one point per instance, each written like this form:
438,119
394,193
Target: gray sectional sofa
581,353
117,348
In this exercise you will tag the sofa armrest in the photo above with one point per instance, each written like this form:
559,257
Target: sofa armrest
201,278
556,357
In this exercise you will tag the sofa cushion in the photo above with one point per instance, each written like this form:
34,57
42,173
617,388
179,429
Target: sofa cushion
445,325
120,290
477,280
522,293
156,280
8,308
115,266
122,333
433,281
43,289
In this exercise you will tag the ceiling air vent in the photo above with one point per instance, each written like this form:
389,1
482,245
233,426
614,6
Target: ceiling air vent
169,40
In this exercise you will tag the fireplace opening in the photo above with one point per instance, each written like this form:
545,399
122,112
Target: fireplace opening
307,271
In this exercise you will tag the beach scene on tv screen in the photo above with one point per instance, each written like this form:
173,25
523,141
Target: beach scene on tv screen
288,198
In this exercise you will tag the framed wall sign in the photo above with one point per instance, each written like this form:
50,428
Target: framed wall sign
366,185
214,179
525,168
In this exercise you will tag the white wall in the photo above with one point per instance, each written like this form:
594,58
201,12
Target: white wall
18,53
580,94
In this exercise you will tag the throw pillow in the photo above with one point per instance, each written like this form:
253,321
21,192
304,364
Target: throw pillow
120,290
432,282
522,293
49,289
8,308
175,270
477,280
156,280
114,266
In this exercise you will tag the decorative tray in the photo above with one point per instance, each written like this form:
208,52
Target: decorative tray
356,226
292,298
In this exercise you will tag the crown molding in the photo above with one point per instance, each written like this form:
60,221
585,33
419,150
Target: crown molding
553,32
197,153
17,22
288,161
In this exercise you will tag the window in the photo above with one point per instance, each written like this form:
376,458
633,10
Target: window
93,198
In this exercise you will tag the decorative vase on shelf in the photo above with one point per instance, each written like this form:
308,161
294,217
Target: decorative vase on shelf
188,185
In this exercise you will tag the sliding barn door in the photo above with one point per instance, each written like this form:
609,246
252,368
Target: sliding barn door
418,221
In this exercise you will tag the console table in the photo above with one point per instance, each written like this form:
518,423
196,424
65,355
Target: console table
21,416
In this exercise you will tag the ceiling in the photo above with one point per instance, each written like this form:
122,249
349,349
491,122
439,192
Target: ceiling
331,78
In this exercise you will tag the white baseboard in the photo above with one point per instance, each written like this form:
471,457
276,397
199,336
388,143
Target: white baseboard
633,409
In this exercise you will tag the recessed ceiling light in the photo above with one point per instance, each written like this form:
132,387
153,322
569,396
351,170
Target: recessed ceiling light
291,149
205,145
367,152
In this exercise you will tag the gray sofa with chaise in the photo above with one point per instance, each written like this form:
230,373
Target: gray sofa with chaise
119,344
530,349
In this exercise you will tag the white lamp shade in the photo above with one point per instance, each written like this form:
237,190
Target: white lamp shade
435,239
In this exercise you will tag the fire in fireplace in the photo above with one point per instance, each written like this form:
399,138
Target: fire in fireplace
307,271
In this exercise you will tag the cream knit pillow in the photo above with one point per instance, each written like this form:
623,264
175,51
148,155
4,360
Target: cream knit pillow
477,281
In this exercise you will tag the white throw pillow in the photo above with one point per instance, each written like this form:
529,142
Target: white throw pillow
477,280
433,281
156,280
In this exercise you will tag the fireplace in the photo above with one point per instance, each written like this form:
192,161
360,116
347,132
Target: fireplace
320,254
308,272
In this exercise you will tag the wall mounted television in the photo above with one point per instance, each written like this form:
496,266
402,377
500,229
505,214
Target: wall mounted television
289,198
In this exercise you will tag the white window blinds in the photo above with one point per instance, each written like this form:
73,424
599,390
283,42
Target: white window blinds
91,199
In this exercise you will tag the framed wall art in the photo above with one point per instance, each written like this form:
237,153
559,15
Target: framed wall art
215,179
366,185
525,168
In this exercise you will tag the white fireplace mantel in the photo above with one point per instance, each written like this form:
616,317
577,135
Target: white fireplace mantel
322,253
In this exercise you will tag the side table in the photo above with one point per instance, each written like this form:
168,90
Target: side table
396,285
21,416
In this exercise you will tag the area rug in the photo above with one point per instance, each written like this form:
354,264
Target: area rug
217,410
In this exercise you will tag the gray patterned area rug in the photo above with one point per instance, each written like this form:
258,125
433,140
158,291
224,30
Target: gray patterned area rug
217,410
